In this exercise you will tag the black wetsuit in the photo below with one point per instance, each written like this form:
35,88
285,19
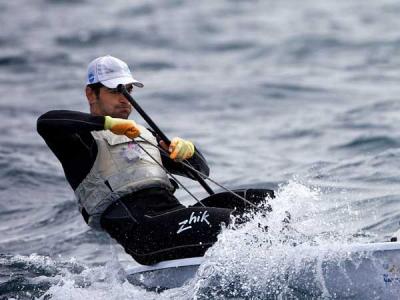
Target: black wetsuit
67,133
138,221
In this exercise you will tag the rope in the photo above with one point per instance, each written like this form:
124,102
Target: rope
189,166
170,174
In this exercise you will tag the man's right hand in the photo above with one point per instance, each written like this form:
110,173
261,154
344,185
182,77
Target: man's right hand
122,127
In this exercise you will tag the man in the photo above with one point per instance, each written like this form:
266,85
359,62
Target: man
117,171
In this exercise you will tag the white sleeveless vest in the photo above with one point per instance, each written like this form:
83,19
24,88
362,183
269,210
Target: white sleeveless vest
120,168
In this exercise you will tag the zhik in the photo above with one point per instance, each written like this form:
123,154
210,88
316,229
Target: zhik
193,219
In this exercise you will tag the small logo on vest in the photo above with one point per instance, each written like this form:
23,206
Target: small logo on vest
186,224
132,152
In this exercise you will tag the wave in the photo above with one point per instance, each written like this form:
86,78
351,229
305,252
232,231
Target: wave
90,38
369,144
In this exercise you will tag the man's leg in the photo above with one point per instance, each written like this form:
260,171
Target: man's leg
180,233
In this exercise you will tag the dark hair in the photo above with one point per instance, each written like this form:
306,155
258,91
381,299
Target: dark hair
96,88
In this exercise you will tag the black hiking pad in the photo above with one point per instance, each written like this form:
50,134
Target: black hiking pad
180,233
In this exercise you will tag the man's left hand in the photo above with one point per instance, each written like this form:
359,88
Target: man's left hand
180,149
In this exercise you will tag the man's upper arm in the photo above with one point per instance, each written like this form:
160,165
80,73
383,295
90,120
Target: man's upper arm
60,128
68,135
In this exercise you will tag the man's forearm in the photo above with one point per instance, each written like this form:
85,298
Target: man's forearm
199,162
68,122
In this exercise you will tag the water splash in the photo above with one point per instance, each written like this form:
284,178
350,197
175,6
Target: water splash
270,257
103,282
47,278
100,282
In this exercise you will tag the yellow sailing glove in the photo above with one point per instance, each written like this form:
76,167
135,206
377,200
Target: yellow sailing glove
180,149
122,127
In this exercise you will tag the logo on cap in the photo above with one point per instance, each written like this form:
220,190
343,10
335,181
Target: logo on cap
91,77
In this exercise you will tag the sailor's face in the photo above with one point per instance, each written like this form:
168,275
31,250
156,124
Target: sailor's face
112,103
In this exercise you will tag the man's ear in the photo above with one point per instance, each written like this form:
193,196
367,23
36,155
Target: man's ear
90,95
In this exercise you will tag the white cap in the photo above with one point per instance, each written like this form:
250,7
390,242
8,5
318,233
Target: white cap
111,72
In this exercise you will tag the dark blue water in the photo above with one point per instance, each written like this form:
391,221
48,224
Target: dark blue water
301,96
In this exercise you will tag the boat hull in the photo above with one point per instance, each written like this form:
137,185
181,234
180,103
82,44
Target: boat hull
361,271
